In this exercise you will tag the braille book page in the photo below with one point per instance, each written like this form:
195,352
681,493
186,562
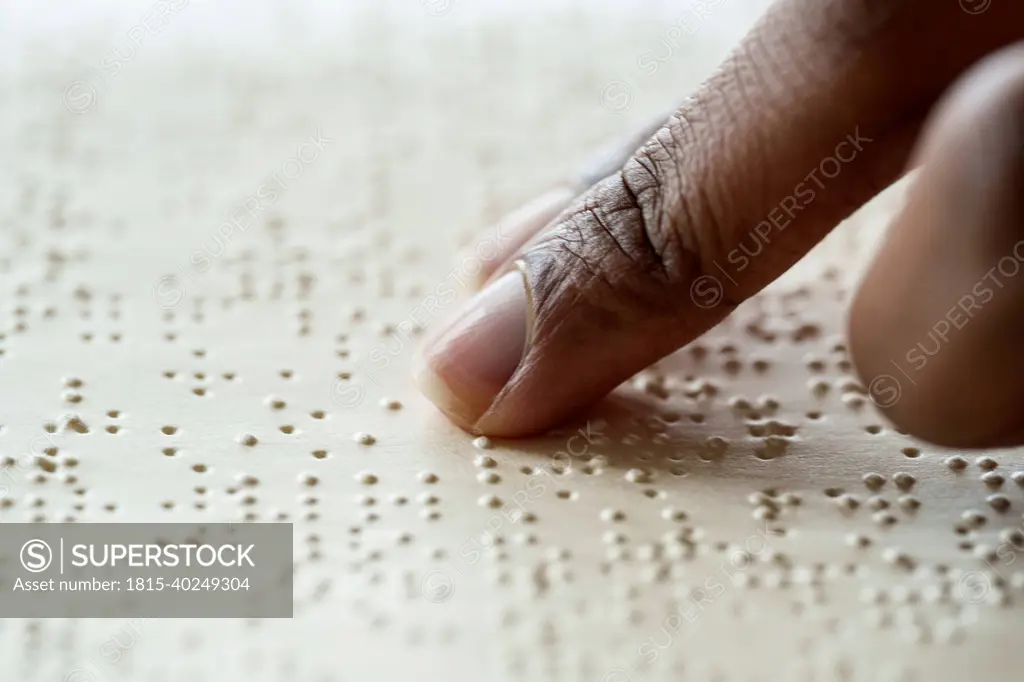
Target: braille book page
218,224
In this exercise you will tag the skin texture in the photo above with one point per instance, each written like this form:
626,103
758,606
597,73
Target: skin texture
817,110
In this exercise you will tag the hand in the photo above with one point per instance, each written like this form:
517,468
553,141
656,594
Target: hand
824,104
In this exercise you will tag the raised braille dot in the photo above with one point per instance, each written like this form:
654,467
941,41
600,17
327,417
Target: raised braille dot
363,438
169,430
638,476
248,440
428,477
883,518
390,404
489,477
484,462
366,478
847,502
992,479
973,518
613,515
986,463
903,480
956,463
1000,503
877,502
908,503
673,514
790,499
857,540
874,481
492,501
895,557
482,443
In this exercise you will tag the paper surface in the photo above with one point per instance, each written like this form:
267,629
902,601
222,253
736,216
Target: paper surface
212,235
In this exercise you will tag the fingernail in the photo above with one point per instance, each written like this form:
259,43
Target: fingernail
466,364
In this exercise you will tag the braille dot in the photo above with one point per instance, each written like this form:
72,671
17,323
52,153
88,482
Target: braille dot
363,438
847,502
638,476
895,557
320,454
973,518
428,477
1001,503
956,463
613,515
874,481
169,430
911,452
908,503
883,518
877,502
482,443
904,481
366,478
986,463
790,499
248,440
857,540
992,479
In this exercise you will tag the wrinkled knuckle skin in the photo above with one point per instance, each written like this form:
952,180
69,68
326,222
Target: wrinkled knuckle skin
606,254
628,249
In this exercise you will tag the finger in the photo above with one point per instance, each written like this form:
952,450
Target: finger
813,114
937,327
520,226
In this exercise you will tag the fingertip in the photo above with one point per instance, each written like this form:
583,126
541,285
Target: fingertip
464,367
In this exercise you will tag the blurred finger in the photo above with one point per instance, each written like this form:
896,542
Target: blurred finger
937,328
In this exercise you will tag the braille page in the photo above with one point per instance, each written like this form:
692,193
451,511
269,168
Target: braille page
216,238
